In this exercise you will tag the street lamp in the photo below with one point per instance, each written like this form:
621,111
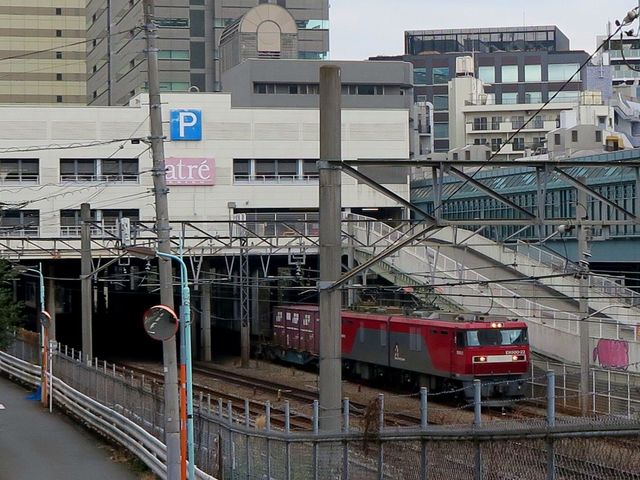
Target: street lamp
185,347
44,319
585,355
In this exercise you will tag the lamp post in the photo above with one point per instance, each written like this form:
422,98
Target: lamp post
185,348
43,320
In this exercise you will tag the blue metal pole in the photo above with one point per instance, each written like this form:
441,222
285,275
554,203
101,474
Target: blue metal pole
185,350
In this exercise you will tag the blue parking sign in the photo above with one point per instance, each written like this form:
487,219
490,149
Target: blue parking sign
186,125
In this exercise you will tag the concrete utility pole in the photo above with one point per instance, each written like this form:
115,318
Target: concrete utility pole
330,249
583,262
163,229
85,281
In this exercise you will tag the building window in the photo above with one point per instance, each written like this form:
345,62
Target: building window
517,122
440,102
19,223
562,72
480,123
509,74
455,155
173,55
564,97
17,170
58,98
274,170
599,136
532,73
533,97
556,139
174,86
58,33
467,154
518,144
495,123
496,143
106,222
58,11
99,170
58,55
480,141
487,74
420,76
440,75
538,122
58,76
510,98
441,130
574,136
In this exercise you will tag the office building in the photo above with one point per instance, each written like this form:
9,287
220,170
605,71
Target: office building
518,65
43,50
198,40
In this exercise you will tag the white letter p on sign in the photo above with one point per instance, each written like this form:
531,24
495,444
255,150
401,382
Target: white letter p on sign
186,119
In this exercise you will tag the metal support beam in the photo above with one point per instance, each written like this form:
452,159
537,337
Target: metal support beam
583,187
205,322
492,193
245,313
349,170
583,261
330,382
85,281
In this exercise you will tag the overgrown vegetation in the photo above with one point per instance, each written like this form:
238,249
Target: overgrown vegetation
10,311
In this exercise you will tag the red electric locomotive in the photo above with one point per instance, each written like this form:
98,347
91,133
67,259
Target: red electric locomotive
442,352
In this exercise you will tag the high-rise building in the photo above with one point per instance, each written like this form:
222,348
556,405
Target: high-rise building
518,65
193,35
43,51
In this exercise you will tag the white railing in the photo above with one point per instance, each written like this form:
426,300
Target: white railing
110,423
275,225
560,264
286,179
17,178
127,178
17,231
104,230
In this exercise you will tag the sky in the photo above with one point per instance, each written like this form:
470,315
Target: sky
365,28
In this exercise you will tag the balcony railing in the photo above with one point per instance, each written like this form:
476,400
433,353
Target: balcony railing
13,178
101,231
19,231
128,178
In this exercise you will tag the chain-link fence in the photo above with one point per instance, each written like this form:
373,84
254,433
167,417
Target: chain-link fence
240,442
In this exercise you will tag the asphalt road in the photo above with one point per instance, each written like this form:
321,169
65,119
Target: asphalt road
36,444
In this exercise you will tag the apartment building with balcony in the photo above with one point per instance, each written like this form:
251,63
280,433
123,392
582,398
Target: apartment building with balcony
43,52
479,120
519,65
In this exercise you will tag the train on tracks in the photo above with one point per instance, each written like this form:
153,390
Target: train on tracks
444,352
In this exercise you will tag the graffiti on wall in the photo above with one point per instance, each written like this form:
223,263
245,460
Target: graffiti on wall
612,354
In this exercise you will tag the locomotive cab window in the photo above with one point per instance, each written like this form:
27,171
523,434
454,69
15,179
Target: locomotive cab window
489,337
460,339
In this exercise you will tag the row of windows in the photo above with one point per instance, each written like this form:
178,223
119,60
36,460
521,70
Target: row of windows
27,170
270,170
517,121
314,89
558,72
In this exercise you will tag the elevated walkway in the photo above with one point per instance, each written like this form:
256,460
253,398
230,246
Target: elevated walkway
483,276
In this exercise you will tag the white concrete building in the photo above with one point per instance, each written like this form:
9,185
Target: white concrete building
221,161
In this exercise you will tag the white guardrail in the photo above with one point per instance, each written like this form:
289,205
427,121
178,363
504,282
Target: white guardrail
111,424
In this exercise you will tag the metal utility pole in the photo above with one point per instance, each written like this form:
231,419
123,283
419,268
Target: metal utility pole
163,229
583,262
205,322
245,313
85,281
330,249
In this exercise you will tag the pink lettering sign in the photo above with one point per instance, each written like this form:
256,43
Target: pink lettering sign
190,171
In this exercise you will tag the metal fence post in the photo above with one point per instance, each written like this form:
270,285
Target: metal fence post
593,395
267,407
345,429
551,422
287,445
424,422
247,422
381,430
477,421
315,442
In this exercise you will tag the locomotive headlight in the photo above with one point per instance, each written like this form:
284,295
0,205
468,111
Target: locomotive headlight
515,358
479,359
497,324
